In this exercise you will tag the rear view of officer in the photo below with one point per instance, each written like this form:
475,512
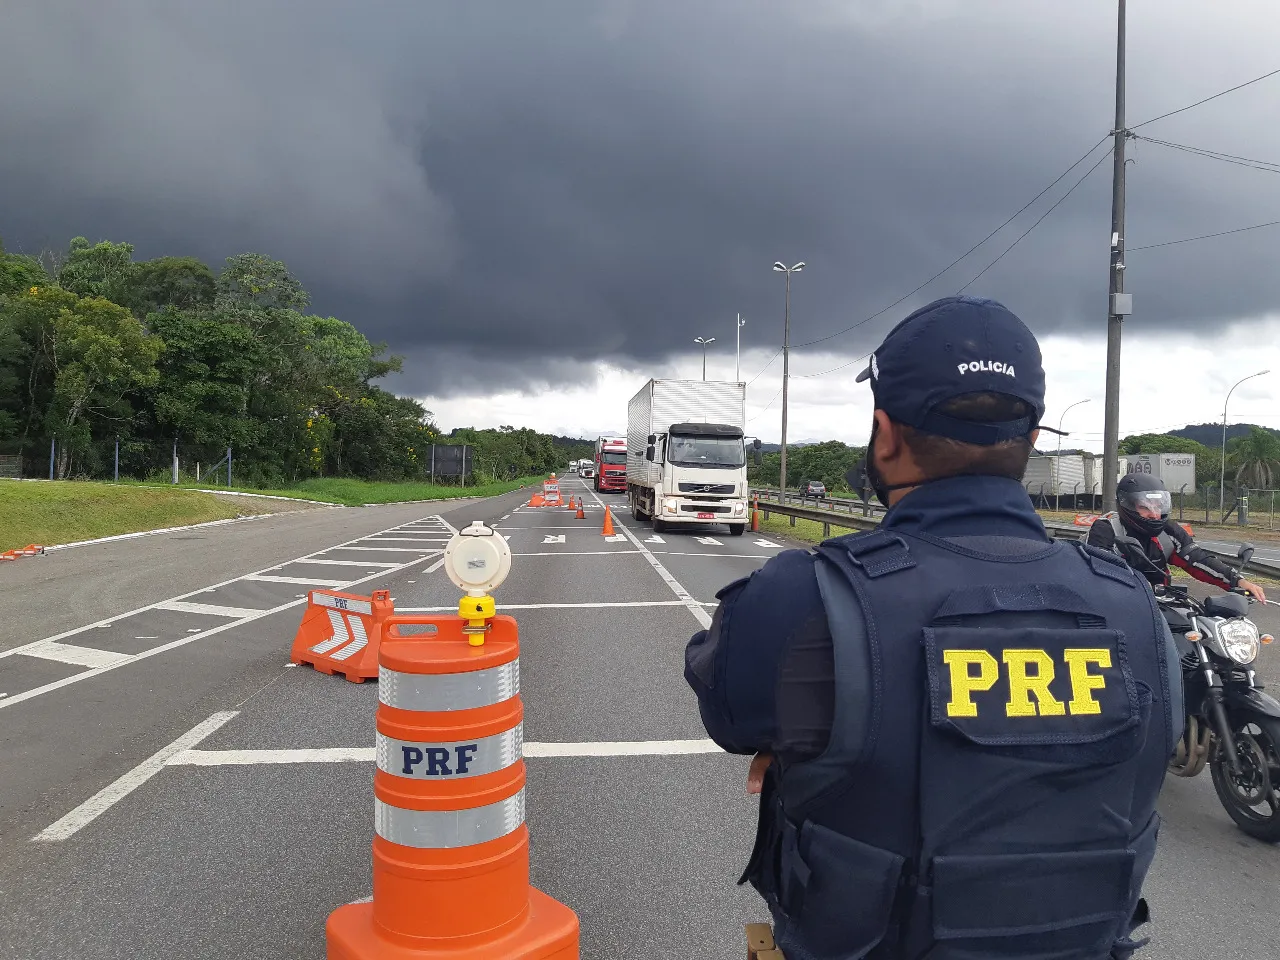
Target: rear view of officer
965,723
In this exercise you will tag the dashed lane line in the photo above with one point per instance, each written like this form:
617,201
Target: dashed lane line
51,649
210,609
340,563
617,748
313,581
699,612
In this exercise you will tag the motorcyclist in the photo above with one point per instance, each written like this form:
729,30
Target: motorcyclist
1143,504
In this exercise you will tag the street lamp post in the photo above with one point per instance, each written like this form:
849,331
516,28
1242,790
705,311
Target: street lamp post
781,267
1222,476
704,341
1057,463
737,365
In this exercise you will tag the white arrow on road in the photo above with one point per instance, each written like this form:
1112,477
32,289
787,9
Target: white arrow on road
553,538
766,543
709,541
654,539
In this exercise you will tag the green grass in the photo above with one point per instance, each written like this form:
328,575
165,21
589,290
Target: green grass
67,511
356,493
810,531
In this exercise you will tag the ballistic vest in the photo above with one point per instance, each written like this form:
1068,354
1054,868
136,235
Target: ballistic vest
998,800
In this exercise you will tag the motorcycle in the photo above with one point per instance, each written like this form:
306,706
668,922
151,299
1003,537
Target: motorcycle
1232,726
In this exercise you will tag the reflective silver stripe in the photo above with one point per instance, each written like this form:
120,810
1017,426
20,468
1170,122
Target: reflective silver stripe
342,603
448,691
450,761
446,829
361,639
340,635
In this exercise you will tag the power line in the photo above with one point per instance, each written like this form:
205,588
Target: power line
1037,223
1265,165
1206,99
765,367
1206,236
766,407
962,256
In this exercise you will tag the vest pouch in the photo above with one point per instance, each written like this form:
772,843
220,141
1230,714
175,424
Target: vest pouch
839,894
1032,906
1144,848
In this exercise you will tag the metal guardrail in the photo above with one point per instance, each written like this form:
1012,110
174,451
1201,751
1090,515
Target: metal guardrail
849,519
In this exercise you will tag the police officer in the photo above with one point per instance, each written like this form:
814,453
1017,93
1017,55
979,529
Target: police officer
961,725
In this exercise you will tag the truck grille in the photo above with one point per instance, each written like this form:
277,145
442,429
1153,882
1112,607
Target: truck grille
704,508
724,489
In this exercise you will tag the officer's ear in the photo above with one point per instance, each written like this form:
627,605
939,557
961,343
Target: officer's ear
889,440
1035,436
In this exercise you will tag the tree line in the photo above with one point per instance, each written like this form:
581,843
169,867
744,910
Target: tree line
98,350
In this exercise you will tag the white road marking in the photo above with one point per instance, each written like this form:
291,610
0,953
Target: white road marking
318,581
172,644
654,539
408,539
210,610
570,526
767,543
579,553
616,538
152,533
714,556
105,798
340,563
152,606
624,748
709,541
77,656
383,550
693,605
553,538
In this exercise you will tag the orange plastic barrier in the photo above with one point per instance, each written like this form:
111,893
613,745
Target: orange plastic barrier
450,846
551,492
341,633
1085,519
537,501
607,529
30,550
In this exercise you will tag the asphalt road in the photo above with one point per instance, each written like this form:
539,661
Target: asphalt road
209,847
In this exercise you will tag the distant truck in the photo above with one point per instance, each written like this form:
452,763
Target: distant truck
686,459
586,468
573,466
611,464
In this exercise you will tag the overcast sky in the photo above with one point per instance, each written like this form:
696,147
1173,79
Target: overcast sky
540,204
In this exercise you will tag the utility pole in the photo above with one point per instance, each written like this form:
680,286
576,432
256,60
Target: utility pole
779,267
1119,304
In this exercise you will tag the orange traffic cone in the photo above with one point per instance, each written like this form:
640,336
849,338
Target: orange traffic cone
608,524
571,503
537,500
581,514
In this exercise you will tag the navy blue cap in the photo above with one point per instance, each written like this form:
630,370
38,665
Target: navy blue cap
955,346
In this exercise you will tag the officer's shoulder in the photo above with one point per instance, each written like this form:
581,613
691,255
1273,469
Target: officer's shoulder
1106,563
789,568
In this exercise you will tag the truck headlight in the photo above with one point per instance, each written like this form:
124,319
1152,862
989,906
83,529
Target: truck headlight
739,509
1239,639
669,506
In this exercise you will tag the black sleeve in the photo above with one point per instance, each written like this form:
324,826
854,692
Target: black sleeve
1197,561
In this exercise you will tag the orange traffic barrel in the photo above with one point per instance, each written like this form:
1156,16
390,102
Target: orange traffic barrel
450,846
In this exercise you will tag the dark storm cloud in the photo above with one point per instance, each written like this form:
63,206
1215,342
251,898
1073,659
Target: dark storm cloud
551,184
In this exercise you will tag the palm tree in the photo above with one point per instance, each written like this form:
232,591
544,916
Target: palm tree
1256,458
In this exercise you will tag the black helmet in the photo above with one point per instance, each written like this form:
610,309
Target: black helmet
1144,503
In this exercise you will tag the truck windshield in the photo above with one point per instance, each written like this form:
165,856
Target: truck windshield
613,458
723,452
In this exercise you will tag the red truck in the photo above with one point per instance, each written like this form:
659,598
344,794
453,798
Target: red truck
611,464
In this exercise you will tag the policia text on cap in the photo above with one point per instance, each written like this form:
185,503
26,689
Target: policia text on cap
962,725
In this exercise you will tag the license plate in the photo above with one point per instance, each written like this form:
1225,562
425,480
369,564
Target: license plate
706,516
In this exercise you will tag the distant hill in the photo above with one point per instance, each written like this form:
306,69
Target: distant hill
1210,434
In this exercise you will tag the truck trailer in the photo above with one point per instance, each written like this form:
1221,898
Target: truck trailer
686,461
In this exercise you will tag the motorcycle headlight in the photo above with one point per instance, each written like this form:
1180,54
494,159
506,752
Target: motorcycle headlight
1239,639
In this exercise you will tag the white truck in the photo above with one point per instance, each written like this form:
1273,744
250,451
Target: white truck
587,468
686,459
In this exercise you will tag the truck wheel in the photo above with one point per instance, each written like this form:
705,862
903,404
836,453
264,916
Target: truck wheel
737,529
659,526
636,512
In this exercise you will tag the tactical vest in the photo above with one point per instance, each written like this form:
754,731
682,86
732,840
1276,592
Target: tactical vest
998,798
